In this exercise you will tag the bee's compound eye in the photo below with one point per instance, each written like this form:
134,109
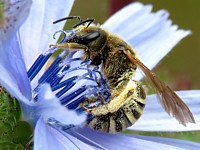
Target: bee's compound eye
88,37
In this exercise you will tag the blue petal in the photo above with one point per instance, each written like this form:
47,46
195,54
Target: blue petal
13,72
175,142
49,106
117,141
156,119
36,34
48,138
150,34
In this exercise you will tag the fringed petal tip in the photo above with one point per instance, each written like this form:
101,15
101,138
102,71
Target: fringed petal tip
49,106
124,14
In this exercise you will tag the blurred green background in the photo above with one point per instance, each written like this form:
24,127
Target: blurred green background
181,68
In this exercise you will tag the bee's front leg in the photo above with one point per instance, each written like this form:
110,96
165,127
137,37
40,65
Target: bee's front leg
71,46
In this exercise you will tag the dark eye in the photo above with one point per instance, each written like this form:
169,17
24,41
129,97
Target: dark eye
88,37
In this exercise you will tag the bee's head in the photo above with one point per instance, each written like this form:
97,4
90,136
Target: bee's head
93,37
90,35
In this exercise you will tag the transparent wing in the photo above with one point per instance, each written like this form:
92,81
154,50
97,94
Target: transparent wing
170,101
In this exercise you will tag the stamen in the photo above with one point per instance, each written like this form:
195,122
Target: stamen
68,59
37,66
80,110
65,89
43,58
89,117
75,103
66,35
91,91
52,68
54,77
64,83
57,76
71,96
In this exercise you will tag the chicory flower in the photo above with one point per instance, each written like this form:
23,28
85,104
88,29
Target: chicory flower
26,33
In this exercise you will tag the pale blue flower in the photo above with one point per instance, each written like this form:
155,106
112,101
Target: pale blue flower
56,127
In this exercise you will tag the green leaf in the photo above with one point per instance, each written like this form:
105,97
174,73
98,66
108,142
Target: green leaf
14,133
11,146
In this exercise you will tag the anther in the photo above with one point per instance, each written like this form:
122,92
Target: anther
38,65
71,96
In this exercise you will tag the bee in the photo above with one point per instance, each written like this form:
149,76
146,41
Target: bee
119,62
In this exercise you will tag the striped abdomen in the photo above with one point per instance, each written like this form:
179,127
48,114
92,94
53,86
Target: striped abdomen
123,109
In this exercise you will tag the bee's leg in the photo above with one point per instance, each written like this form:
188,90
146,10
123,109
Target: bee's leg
72,46
86,102
102,100
83,104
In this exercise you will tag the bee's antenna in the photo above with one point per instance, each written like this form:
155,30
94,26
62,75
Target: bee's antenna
83,22
67,18
89,21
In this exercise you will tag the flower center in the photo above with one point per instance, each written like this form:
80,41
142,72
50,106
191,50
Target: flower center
72,79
